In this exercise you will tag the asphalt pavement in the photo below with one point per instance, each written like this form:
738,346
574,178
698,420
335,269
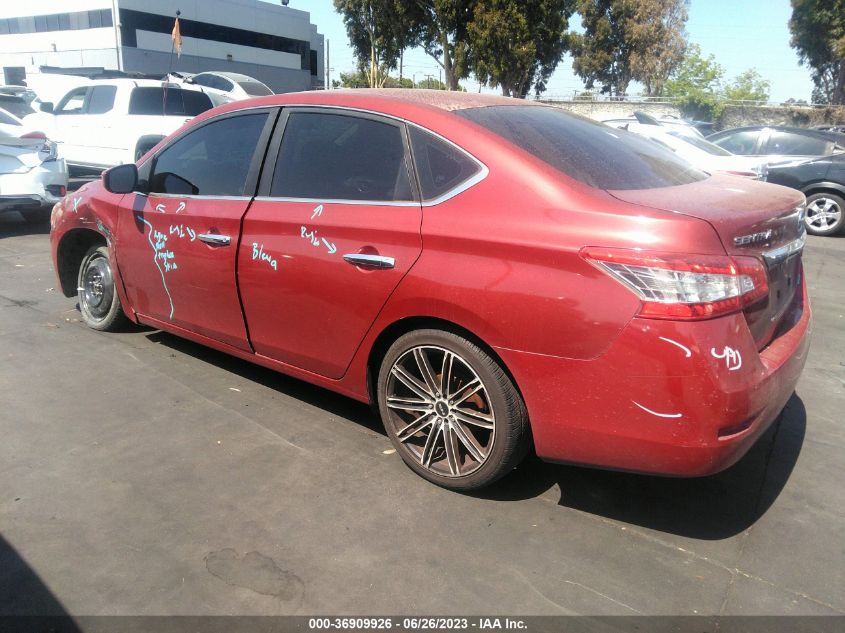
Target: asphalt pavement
143,474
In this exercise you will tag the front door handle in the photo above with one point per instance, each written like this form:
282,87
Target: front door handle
215,238
369,261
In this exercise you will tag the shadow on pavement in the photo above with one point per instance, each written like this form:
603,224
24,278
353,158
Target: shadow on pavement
12,224
709,508
23,593
329,401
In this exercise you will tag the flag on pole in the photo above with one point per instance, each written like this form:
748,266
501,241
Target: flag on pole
176,36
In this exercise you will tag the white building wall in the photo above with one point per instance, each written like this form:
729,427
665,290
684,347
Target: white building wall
88,47
98,47
15,9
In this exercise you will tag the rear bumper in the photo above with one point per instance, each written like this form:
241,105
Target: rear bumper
32,189
673,398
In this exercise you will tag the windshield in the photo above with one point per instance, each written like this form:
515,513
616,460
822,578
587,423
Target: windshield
586,150
701,144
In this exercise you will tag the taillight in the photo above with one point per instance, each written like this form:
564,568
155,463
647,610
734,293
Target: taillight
675,286
38,135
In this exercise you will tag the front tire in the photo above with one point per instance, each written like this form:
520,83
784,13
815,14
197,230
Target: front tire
450,410
98,300
825,214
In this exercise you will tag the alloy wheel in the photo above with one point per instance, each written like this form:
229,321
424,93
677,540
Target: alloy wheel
823,213
440,411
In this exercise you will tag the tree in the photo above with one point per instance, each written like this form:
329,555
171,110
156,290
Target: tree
625,41
376,34
517,44
432,84
359,79
658,41
818,34
748,86
439,27
696,84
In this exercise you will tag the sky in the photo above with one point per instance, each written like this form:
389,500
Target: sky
741,34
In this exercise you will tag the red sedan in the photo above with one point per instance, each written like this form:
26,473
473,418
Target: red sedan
492,274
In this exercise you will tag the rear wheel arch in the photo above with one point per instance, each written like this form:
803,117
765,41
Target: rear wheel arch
392,332
71,251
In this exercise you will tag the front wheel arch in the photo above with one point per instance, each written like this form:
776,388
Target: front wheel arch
71,251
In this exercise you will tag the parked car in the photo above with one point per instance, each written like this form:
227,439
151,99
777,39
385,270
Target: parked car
696,150
491,273
235,85
16,104
32,177
840,129
778,144
822,180
112,121
683,128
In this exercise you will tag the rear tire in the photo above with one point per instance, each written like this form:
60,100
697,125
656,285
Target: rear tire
825,214
98,300
450,410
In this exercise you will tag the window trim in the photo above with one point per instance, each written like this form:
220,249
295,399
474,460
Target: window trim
147,168
275,146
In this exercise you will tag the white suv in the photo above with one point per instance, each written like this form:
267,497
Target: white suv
112,121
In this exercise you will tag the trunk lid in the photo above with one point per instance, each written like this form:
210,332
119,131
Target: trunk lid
752,219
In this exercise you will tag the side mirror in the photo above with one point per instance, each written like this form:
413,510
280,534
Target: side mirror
46,106
121,179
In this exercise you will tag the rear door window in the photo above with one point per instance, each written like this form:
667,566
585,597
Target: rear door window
341,157
441,167
213,160
790,144
101,99
170,102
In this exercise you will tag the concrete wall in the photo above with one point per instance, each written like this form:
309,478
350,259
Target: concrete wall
602,110
798,116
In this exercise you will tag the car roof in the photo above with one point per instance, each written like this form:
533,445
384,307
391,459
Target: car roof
228,75
387,100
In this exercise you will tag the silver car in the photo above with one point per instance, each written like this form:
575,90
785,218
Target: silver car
32,176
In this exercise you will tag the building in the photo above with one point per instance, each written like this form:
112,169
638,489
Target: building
273,43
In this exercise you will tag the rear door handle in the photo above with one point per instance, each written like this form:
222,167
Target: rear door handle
215,238
369,261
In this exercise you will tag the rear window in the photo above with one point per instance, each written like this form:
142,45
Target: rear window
16,105
151,101
586,150
255,89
